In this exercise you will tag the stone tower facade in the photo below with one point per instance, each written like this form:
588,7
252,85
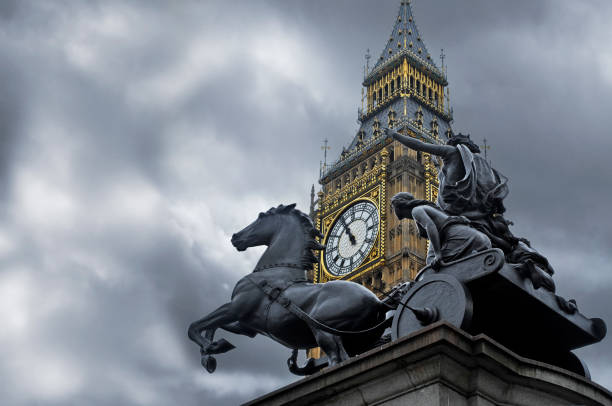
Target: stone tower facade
365,242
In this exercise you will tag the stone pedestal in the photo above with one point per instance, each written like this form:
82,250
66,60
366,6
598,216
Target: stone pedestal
441,366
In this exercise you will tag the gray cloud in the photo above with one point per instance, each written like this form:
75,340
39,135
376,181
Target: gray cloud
136,138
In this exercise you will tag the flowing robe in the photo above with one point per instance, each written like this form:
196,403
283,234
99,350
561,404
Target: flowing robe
482,189
457,240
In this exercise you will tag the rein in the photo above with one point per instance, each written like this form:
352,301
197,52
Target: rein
279,265
275,294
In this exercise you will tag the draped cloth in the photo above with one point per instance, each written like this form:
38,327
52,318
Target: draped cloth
482,189
479,195
458,240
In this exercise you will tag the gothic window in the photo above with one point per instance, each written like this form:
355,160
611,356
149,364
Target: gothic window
391,117
360,138
392,87
429,94
376,127
434,127
419,117
418,86
436,98
380,95
411,82
391,156
386,90
378,282
397,82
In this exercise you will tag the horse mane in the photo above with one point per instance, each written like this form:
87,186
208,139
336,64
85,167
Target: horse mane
310,233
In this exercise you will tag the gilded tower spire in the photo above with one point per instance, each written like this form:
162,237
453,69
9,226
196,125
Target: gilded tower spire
404,90
405,39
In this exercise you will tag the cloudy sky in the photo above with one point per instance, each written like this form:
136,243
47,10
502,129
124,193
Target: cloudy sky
138,136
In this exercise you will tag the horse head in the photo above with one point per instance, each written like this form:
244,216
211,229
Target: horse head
260,231
288,229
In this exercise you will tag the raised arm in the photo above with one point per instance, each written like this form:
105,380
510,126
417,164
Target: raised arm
413,143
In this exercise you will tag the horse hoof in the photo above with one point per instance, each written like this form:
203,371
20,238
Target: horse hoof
209,363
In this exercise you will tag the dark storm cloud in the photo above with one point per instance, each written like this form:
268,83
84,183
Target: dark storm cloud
10,106
138,137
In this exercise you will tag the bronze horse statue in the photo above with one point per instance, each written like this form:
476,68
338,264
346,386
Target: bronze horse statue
342,317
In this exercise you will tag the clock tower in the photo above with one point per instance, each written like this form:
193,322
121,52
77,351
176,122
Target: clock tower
364,241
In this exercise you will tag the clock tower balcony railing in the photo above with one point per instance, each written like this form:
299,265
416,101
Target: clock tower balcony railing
446,114
416,60
376,140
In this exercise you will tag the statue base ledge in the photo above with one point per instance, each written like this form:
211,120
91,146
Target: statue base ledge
441,365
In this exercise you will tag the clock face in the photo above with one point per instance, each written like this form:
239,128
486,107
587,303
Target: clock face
351,238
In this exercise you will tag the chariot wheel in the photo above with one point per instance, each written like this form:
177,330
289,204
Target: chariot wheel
438,297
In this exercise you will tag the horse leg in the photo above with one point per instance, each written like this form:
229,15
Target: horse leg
332,345
220,317
238,328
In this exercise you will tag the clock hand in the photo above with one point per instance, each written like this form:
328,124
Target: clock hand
352,238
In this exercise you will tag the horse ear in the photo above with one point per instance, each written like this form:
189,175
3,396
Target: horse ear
285,209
